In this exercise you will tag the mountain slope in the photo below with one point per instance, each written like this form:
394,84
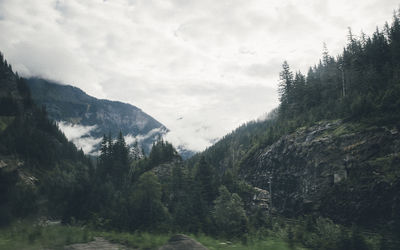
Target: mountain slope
72,106
332,148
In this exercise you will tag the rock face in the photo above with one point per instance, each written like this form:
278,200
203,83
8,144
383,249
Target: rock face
182,242
98,244
72,105
345,171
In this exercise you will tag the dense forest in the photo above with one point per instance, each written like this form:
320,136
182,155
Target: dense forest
42,174
32,149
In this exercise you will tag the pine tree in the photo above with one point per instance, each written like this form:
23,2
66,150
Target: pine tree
285,83
205,181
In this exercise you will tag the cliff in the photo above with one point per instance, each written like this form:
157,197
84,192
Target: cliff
346,171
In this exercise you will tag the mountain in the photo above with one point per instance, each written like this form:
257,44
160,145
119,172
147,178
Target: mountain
331,148
89,118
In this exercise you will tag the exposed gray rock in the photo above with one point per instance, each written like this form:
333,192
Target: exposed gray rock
343,170
98,244
261,198
182,242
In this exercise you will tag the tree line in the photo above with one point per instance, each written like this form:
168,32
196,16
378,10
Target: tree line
362,83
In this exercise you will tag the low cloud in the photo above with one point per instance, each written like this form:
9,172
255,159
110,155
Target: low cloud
80,136
131,139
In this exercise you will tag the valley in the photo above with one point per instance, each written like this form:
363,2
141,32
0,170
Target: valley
320,171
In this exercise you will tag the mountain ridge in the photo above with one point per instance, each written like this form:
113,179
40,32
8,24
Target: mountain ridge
72,105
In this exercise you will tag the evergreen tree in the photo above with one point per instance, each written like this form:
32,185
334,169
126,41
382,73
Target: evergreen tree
149,212
205,180
229,214
285,83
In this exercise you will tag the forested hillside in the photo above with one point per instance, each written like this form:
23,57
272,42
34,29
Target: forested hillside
34,154
331,147
362,84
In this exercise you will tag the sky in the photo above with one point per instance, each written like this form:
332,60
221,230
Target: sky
200,67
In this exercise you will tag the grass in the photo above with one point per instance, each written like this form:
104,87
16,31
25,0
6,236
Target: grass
153,241
28,235
25,235
324,234
251,244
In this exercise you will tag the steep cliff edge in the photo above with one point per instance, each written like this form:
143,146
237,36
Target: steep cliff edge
347,171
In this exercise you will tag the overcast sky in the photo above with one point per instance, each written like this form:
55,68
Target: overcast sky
200,67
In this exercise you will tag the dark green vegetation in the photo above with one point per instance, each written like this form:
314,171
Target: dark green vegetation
32,151
70,104
322,172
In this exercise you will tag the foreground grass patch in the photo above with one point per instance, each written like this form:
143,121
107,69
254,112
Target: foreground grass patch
26,235
32,236
154,241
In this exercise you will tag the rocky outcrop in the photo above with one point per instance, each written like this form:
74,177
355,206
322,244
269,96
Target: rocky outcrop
98,244
346,171
182,242
164,171
261,198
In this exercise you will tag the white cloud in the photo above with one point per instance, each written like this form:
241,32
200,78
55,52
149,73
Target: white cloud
131,139
214,63
80,136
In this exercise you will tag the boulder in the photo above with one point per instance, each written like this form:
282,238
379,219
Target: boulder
182,242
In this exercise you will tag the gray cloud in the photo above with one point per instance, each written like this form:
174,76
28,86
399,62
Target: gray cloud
214,63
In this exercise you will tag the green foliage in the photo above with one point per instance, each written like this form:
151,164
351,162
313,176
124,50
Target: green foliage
253,243
114,161
180,204
161,152
229,215
204,178
150,212
36,146
359,83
